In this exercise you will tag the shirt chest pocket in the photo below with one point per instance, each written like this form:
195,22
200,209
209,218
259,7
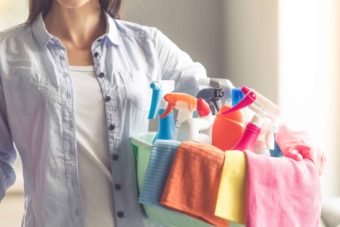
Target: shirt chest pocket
136,85
27,91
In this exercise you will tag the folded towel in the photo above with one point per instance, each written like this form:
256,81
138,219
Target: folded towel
298,145
162,154
231,194
193,181
281,192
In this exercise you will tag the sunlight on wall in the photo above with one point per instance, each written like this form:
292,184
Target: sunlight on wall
12,13
308,75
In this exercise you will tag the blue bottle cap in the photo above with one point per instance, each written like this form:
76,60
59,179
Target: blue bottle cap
236,96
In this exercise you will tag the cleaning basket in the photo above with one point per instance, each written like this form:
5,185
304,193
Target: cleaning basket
141,147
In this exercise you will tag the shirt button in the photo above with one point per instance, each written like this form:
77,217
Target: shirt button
99,40
120,214
112,127
101,75
107,98
118,187
95,54
115,157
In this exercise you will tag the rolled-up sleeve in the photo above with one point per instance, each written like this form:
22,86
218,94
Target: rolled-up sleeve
177,65
7,150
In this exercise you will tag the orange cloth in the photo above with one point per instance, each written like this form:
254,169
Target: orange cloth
193,182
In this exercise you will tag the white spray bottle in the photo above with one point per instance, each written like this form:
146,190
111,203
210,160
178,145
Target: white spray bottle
187,127
265,108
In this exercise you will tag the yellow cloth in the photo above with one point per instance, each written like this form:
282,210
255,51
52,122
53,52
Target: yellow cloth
231,195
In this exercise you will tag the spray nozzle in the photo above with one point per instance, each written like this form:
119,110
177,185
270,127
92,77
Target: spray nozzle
181,101
262,105
159,88
265,108
220,83
246,101
211,96
203,108
155,100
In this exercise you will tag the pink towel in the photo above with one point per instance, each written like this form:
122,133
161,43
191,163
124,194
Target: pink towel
298,145
281,192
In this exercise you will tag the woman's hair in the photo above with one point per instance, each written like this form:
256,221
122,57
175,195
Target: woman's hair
36,7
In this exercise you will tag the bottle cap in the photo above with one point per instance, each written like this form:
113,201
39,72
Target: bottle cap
236,96
202,108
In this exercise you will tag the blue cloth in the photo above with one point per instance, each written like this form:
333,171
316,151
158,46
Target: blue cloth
37,114
162,155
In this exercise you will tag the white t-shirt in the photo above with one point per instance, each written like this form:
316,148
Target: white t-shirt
92,147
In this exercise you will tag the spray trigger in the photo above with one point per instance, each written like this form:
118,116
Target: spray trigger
246,101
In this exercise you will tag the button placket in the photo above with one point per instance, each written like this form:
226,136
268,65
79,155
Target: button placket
115,157
113,129
101,75
120,214
107,98
118,186
69,139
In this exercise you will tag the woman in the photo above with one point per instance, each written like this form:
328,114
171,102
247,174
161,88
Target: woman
74,88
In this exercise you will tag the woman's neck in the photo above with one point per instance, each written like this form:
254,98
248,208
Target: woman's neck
76,27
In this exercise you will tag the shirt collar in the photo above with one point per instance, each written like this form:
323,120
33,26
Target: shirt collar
111,30
43,36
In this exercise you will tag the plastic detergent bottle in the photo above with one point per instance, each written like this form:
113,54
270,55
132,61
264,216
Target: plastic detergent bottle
250,135
166,125
229,124
227,129
187,127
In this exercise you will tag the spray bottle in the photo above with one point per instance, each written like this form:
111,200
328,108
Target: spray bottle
219,83
187,127
166,126
266,109
229,124
250,135
263,108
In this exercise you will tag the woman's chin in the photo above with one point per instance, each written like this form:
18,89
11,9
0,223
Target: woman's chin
73,4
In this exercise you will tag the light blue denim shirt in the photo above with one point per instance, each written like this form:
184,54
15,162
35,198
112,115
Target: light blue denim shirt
37,114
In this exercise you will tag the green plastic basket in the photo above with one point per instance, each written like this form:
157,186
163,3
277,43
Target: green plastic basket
141,147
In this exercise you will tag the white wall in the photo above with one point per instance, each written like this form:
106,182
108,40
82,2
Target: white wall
196,26
251,44
233,39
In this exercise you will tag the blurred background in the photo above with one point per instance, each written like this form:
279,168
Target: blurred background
287,50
